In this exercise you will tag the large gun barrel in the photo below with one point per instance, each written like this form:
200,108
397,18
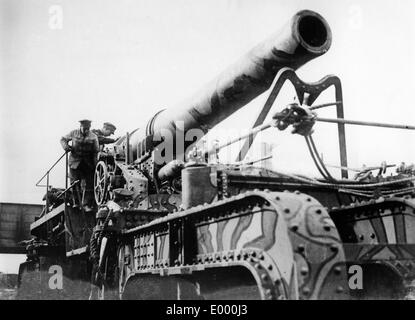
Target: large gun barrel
305,37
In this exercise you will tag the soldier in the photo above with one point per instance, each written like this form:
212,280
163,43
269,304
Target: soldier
103,263
103,134
82,161
94,248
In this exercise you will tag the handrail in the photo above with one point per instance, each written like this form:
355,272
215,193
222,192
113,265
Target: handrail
68,188
46,175
47,172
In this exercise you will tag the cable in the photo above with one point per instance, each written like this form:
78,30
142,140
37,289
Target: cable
314,159
319,159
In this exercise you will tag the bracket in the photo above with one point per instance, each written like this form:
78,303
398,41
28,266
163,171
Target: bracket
307,93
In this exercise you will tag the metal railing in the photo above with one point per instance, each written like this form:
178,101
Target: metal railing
46,175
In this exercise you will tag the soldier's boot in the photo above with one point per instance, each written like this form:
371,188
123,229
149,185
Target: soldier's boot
77,200
87,198
84,197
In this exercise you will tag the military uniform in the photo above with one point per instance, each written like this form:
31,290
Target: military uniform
94,252
103,134
82,160
102,139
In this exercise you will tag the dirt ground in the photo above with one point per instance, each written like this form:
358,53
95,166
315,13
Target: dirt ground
7,293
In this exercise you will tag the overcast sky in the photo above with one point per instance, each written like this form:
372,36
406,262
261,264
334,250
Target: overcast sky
121,61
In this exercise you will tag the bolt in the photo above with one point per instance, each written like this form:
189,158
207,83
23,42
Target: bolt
339,289
337,270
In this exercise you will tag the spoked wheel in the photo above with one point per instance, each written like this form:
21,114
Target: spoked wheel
101,181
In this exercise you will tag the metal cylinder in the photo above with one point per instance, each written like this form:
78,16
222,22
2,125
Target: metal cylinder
199,185
305,37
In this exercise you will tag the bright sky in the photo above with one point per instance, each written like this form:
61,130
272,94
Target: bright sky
121,61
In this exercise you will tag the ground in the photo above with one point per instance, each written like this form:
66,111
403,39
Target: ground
8,293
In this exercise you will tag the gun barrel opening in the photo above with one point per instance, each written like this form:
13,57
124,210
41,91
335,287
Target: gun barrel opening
313,31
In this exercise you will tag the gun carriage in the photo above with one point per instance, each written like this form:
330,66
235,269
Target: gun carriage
183,227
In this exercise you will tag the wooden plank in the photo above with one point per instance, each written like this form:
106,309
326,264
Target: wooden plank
50,215
76,252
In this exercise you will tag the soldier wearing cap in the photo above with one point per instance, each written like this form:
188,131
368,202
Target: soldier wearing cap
94,250
103,264
103,134
82,161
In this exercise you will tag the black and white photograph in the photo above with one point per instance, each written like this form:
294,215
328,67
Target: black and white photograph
221,150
